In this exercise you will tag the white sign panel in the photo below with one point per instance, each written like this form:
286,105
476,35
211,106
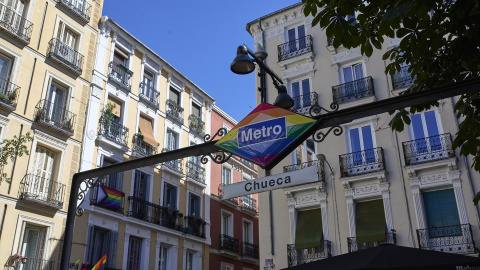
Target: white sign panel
288,179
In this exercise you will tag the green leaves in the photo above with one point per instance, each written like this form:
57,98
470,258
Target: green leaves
11,148
398,119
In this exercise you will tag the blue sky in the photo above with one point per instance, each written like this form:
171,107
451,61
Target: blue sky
200,39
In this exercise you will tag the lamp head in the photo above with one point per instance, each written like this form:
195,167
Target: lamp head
283,100
242,64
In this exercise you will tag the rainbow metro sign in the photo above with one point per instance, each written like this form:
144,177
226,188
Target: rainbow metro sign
265,133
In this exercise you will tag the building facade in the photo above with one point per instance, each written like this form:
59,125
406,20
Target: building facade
46,62
155,217
408,188
234,222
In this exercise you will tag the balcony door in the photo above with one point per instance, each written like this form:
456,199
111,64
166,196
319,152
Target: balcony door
148,81
33,245
294,34
13,15
56,104
44,172
301,93
170,196
424,130
361,148
66,48
352,76
5,67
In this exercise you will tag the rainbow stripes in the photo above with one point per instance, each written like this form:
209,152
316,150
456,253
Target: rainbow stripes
264,133
110,198
101,264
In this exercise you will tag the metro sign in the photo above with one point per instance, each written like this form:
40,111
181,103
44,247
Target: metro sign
265,133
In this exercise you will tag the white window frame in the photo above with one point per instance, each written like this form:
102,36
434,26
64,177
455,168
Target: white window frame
250,230
70,89
230,224
77,31
411,135
231,175
348,141
352,64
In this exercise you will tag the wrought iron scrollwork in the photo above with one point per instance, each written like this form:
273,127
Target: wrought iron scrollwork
84,187
319,136
220,156
316,109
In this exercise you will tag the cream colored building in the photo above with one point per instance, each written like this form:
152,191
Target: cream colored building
408,188
46,62
163,219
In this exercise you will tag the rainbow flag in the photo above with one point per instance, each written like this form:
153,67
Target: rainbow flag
101,264
110,198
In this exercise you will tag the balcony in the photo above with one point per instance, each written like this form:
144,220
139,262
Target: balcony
249,250
120,74
149,94
107,203
229,243
15,25
34,264
450,239
174,110
141,147
8,94
303,103
79,8
197,125
248,203
353,245
196,171
195,226
65,55
306,255
354,90
303,165
153,213
55,117
113,131
362,162
428,149
402,79
37,189
295,48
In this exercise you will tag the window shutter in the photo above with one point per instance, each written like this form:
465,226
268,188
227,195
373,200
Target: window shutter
441,208
309,232
90,245
145,126
370,221
112,251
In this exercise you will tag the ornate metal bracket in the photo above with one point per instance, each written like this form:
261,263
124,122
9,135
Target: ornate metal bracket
316,109
220,156
319,136
84,187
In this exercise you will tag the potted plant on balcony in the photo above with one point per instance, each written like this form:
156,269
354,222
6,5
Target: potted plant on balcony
108,114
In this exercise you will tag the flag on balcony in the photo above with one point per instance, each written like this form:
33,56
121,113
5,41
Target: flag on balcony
101,264
109,197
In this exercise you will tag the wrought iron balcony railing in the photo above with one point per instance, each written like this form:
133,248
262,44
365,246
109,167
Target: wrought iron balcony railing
195,226
14,24
103,182
451,239
353,245
247,202
8,93
176,164
354,90
229,243
303,165
34,264
113,131
55,116
141,147
294,48
81,8
65,55
402,79
428,149
39,189
196,171
303,103
120,74
196,124
249,250
361,162
149,94
174,110
306,255
154,213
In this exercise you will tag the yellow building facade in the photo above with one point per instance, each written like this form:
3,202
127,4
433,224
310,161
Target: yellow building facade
47,51
139,106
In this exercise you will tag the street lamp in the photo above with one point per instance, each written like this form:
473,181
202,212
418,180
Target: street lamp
243,64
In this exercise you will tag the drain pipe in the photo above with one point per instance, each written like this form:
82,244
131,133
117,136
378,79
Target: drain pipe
14,161
3,219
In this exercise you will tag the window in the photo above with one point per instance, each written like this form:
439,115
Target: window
227,128
120,57
247,232
226,176
163,258
115,180
247,200
172,140
170,196
140,187
189,262
33,245
309,232
424,125
370,221
148,86
145,127
100,241
56,103
361,139
174,95
227,266
134,252
294,34
310,151
195,204
196,109
117,110
441,211
5,69
44,166
301,93
352,73
14,14
227,224
298,155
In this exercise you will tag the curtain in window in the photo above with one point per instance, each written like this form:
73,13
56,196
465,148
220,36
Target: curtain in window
441,210
309,232
370,221
306,92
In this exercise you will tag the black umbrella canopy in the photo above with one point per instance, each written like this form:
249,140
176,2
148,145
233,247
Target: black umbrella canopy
388,256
